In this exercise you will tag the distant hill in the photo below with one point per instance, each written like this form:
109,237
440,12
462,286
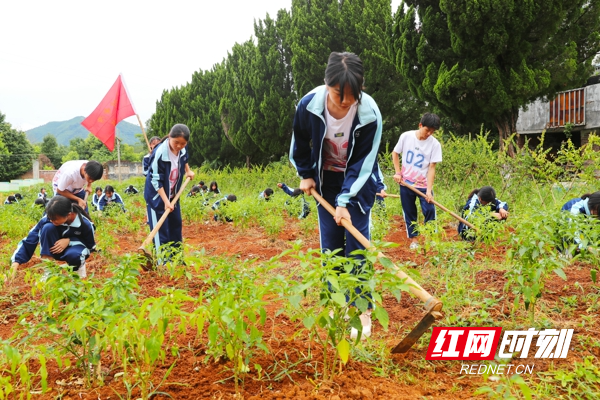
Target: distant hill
64,131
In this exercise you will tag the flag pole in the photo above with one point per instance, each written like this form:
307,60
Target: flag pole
143,131
118,153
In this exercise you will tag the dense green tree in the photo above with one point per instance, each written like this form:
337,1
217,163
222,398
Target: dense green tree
16,153
480,61
91,148
53,150
208,142
239,103
316,31
272,86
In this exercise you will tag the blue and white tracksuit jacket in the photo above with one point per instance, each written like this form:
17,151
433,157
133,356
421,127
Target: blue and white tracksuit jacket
305,207
577,206
81,235
146,164
105,201
158,177
474,204
354,189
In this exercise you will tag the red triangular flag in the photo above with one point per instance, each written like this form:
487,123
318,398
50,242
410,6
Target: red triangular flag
113,108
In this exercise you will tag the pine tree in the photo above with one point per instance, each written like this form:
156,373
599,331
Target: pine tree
480,60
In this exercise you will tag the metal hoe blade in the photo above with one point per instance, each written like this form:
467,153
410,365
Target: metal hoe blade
422,327
148,265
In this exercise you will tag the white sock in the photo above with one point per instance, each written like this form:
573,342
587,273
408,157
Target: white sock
81,271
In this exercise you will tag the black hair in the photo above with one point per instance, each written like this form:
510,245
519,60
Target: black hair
232,197
109,189
211,185
11,199
594,203
94,170
180,131
42,189
60,206
98,188
153,138
195,189
18,196
486,193
40,202
204,188
268,191
201,183
430,121
297,192
345,69
130,187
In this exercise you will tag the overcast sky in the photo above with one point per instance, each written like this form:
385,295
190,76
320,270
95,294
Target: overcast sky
59,58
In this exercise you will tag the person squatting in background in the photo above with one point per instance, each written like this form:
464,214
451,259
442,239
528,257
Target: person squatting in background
168,166
74,179
299,194
10,200
347,123
64,233
479,200
154,140
109,198
266,194
220,206
420,153
588,205
131,190
96,198
44,196
214,188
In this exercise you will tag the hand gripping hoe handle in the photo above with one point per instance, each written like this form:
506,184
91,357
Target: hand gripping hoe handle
149,264
455,215
432,304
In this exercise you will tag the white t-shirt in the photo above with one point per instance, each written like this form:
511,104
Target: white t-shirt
416,157
68,177
335,144
174,175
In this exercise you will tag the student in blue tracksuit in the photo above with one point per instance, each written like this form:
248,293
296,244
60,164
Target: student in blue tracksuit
109,198
482,199
64,233
168,166
296,193
131,190
377,176
219,207
588,204
146,159
96,198
266,194
344,125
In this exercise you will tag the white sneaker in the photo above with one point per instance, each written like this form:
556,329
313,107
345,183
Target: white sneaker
81,271
414,246
365,321
45,276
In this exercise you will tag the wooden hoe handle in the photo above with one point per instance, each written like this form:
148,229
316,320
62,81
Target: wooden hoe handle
464,221
164,216
431,303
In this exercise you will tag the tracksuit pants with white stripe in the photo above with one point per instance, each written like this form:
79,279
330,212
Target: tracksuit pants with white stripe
170,231
409,209
335,237
74,255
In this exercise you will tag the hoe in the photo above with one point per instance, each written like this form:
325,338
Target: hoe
149,264
432,304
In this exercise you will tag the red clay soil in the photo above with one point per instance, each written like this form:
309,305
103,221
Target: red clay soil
287,371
